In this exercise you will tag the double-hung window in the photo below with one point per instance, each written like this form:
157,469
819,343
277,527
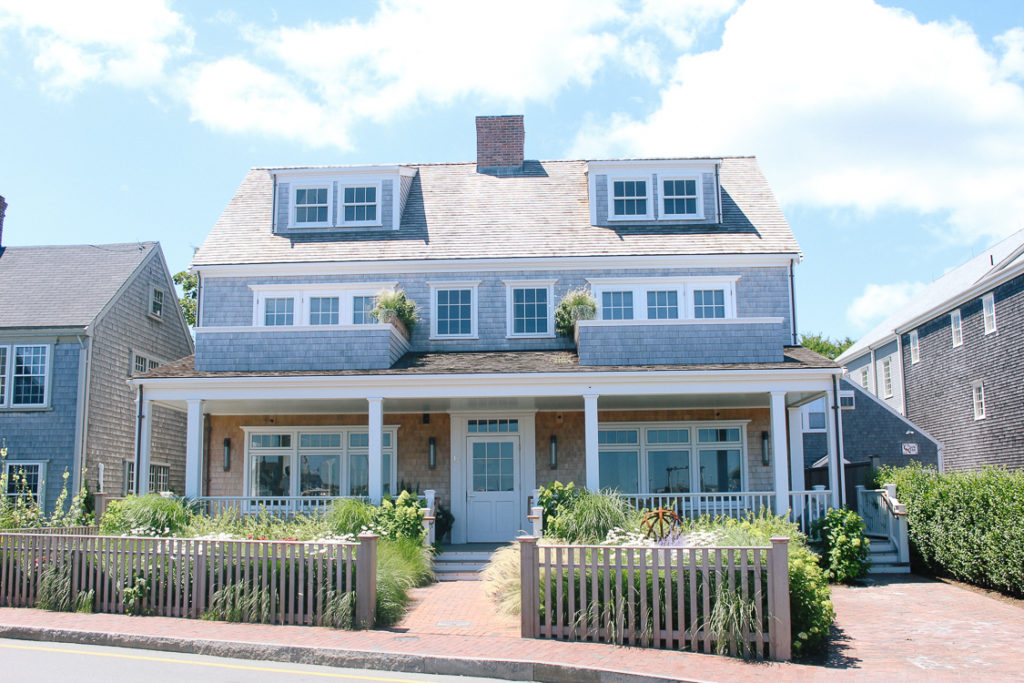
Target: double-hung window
156,303
680,198
685,298
957,328
988,305
454,309
915,347
887,378
312,206
864,378
24,375
25,479
359,204
978,399
629,199
813,414
530,312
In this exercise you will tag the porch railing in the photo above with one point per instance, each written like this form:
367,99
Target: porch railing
807,507
885,516
699,504
279,506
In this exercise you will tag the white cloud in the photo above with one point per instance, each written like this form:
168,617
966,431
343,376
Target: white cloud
849,105
127,42
879,301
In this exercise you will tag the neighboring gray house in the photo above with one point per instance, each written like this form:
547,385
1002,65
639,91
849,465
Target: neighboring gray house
688,385
952,360
75,323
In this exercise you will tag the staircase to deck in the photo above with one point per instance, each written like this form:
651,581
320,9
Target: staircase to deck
885,558
463,562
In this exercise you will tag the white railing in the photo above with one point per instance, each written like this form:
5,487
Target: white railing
807,507
884,515
272,505
691,505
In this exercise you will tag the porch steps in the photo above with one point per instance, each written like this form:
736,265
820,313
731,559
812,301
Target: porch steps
456,564
884,558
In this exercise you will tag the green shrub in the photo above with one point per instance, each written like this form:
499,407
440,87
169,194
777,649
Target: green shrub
966,525
551,496
136,595
402,564
577,304
55,587
149,515
349,516
394,302
842,546
399,518
589,516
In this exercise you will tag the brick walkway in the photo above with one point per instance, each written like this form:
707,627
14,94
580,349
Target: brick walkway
903,628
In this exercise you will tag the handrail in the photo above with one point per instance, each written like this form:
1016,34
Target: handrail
884,515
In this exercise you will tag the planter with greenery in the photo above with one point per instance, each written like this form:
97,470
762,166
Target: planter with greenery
577,304
394,307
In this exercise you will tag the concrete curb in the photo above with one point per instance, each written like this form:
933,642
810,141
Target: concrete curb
512,670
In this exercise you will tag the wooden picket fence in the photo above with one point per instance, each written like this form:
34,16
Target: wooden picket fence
56,530
657,597
280,582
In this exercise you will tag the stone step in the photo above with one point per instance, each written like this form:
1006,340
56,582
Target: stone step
885,558
464,556
446,567
878,546
457,576
890,568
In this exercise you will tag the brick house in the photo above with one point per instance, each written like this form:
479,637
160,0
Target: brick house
75,323
951,360
687,386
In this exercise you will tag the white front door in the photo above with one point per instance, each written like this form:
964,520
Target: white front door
492,499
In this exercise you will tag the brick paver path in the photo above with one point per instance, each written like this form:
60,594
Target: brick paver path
901,629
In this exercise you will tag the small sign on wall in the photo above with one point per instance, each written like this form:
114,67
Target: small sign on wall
909,449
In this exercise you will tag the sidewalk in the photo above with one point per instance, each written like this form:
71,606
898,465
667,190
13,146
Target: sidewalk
904,629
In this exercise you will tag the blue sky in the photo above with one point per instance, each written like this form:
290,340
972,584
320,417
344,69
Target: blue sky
893,135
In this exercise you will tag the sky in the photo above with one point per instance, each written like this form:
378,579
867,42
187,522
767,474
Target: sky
891,134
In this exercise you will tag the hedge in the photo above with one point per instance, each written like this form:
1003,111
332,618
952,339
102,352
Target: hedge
965,525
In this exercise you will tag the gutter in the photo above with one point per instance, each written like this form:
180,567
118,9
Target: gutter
81,416
792,301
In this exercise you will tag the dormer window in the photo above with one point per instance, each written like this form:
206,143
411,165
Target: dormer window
360,204
311,206
629,199
680,191
665,299
680,197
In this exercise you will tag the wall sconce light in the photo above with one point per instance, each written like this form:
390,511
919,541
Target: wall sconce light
554,452
227,454
432,454
765,445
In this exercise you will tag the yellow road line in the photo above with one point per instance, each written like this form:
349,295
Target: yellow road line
216,665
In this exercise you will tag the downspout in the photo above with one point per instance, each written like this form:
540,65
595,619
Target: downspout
903,382
839,439
138,439
199,296
792,301
82,416
718,195
273,207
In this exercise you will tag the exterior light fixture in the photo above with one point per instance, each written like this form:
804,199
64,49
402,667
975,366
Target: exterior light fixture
432,454
554,452
765,444
227,454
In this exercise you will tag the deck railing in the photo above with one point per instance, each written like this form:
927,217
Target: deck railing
281,506
699,504
278,582
885,516
657,597
807,507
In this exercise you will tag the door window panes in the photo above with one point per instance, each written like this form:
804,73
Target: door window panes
493,466
720,470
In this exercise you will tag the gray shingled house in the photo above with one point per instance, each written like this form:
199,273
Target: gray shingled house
686,390
952,359
76,322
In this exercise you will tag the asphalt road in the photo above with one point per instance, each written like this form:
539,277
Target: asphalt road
30,661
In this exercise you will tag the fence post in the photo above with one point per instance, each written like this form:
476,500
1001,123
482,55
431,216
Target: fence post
366,580
529,586
536,516
780,644
428,524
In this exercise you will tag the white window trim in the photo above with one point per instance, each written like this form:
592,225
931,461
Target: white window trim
473,286
8,372
356,182
311,184
151,479
887,381
611,198
294,479
852,395
163,303
683,286
693,446
865,378
301,294
989,301
511,285
805,416
956,327
699,182
133,354
915,347
975,386
15,464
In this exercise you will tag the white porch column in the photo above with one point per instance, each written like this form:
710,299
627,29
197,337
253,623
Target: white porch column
590,433
780,453
834,457
145,448
193,448
796,457
376,427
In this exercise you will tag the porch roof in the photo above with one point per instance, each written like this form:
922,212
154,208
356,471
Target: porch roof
499,363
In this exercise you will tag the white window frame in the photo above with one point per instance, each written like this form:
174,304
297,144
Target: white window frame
865,378
301,294
152,479
698,182
693,446
473,286
611,198
978,399
7,371
683,286
150,360
887,378
915,347
294,450
311,184
356,183
956,327
14,465
851,396
988,308
153,291
510,287
805,415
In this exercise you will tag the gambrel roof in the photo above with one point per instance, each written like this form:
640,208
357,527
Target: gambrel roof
455,212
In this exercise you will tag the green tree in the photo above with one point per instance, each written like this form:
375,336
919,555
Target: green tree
825,345
190,294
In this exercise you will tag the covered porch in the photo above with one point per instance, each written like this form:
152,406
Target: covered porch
699,442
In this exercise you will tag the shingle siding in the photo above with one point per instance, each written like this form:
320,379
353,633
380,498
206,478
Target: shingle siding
939,394
342,349
690,343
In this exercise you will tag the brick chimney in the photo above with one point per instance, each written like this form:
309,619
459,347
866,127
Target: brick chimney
3,210
499,143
